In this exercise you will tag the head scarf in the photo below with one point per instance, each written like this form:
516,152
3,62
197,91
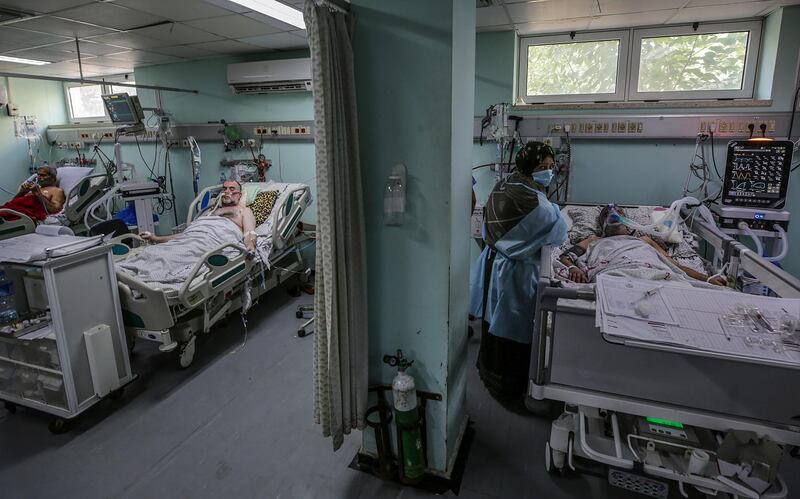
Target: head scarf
533,155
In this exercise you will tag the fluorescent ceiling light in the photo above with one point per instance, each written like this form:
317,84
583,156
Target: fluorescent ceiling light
275,9
19,60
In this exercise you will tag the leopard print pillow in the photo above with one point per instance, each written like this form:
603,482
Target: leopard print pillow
263,204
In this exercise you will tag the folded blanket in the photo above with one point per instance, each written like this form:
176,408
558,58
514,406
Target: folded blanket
27,205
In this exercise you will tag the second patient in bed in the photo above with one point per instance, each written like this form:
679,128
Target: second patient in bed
229,208
617,252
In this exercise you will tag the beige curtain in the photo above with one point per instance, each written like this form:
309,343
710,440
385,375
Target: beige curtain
340,347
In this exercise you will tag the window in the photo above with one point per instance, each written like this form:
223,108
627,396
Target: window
124,90
85,103
586,67
712,62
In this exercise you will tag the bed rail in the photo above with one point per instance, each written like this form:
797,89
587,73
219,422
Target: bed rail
202,201
223,272
740,257
11,228
83,194
287,213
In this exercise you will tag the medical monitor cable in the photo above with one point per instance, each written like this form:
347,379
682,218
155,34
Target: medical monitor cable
152,173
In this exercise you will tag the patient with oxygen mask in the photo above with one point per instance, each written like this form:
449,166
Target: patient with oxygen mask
616,251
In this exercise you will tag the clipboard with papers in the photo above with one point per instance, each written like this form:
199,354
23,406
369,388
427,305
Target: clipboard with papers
682,317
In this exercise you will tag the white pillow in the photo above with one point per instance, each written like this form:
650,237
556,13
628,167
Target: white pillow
70,176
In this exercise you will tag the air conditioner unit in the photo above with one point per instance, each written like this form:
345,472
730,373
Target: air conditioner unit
265,77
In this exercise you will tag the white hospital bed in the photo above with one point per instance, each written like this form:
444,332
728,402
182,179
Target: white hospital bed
80,193
574,363
215,286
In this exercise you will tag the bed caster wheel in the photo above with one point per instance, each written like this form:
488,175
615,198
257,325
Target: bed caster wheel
470,332
298,314
10,407
294,291
186,353
58,426
301,332
131,345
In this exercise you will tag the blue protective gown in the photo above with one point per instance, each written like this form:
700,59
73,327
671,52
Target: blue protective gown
511,300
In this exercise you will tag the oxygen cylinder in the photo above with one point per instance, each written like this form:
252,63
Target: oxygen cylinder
404,392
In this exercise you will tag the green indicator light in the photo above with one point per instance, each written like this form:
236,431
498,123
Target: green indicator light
665,422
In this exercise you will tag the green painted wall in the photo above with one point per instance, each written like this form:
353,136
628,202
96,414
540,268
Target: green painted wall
43,99
463,54
293,161
644,171
406,88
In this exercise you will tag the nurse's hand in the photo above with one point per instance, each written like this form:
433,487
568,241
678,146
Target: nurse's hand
577,275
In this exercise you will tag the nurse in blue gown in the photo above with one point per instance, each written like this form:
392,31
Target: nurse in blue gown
519,221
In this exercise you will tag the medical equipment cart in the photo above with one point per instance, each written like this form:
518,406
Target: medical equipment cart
62,345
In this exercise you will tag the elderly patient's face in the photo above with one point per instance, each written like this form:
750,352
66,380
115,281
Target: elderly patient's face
231,193
44,178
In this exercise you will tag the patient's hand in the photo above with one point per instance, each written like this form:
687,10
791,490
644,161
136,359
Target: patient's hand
577,275
718,280
149,237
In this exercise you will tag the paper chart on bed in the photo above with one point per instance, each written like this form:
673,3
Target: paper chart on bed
698,313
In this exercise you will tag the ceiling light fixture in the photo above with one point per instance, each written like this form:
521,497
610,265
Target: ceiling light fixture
275,9
20,60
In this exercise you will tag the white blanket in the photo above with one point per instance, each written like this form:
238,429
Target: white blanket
627,256
167,265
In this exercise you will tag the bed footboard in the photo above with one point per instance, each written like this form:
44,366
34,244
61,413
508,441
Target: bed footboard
142,306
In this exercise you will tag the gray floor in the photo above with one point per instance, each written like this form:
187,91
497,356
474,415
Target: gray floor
238,423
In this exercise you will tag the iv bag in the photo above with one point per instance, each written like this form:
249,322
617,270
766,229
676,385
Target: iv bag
394,196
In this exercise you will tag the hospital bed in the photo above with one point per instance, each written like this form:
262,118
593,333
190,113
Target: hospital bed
601,378
81,188
219,282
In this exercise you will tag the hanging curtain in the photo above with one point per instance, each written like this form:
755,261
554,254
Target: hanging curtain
340,301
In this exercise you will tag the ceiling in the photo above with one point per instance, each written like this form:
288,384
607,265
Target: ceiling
553,16
117,35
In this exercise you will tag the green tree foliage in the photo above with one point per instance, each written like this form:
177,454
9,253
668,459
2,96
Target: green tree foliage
573,68
692,62
667,64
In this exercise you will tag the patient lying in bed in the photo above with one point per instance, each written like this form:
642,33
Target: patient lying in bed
168,265
616,252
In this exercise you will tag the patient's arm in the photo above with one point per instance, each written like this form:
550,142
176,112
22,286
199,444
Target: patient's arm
152,238
689,271
576,274
249,229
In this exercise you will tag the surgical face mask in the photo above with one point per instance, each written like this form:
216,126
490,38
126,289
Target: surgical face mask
543,177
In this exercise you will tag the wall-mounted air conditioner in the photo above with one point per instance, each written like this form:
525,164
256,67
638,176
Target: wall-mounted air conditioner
264,77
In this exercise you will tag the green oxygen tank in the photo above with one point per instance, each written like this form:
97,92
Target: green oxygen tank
404,392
